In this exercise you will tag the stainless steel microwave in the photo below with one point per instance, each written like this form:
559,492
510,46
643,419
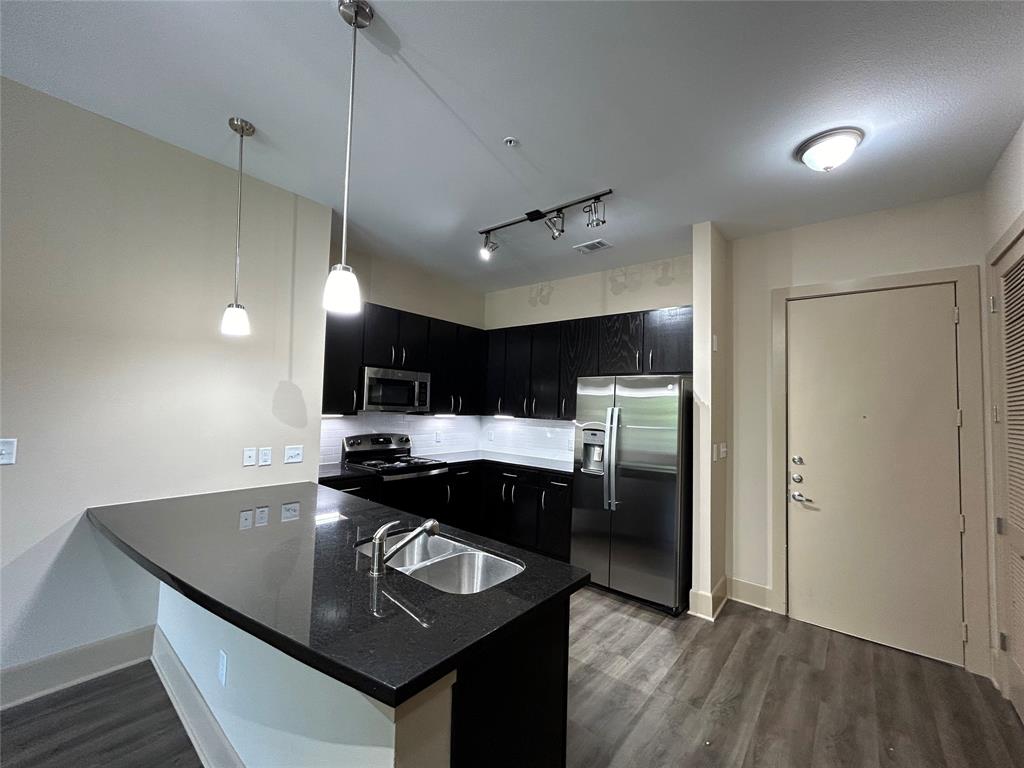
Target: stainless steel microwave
388,389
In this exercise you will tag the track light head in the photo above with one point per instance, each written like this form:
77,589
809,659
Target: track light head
556,224
595,213
488,247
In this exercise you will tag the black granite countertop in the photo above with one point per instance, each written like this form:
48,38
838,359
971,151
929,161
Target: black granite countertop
298,583
339,470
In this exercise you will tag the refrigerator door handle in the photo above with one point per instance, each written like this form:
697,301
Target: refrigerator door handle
607,479
611,457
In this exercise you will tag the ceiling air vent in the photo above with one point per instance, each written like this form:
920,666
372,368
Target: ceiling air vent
593,245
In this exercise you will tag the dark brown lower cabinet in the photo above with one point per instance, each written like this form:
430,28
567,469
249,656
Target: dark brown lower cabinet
554,517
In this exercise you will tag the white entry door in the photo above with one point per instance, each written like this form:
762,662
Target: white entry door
874,518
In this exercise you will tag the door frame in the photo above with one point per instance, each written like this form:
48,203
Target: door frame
1007,251
974,542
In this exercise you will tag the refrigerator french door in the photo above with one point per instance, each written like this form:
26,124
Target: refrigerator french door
631,487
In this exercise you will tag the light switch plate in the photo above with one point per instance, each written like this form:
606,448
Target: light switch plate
437,437
293,454
245,519
265,456
8,450
262,516
290,511
248,457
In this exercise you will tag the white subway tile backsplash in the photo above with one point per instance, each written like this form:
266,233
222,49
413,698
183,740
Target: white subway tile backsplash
529,437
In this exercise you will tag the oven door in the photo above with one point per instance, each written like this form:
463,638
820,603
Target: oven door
386,389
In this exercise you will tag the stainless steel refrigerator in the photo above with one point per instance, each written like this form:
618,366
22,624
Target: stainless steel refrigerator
631,517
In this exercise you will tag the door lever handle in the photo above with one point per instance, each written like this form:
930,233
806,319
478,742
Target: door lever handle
797,496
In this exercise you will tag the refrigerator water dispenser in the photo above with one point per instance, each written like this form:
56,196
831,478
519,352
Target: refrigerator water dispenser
593,451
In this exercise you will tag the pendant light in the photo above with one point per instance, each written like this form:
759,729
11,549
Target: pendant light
341,292
235,321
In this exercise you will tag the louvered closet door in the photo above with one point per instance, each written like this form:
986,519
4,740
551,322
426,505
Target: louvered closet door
1008,333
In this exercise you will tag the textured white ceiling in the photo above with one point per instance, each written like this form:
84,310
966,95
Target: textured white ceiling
690,111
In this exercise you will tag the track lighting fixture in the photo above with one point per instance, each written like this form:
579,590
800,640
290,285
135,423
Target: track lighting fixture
595,213
488,248
556,224
341,291
235,320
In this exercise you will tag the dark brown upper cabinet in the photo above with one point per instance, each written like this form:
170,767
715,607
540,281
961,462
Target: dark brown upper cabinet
668,340
621,344
494,387
544,356
517,371
343,358
444,377
395,339
472,370
577,357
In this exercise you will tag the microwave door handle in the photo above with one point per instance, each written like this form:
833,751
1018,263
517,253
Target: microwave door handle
606,480
392,354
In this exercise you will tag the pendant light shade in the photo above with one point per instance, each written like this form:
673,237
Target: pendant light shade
341,293
235,321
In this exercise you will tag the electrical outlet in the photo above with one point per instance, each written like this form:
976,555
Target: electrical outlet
290,511
266,455
293,454
262,516
244,519
248,457
222,668
8,450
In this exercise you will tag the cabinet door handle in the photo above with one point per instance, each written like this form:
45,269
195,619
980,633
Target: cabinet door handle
638,359
356,488
560,485
543,494
499,403
460,474
533,406
503,492
460,404
453,403
508,474
392,354
513,493
525,412
650,360
354,400
403,357
449,499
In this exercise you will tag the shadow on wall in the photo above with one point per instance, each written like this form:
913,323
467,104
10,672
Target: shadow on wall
289,404
57,578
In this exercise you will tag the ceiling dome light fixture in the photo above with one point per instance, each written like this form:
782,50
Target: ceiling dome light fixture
341,291
488,247
235,320
828,150
556,224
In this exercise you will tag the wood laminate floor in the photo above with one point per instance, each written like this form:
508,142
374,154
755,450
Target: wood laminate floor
123,719
758,689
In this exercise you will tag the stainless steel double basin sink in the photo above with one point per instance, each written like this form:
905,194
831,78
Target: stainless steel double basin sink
448,565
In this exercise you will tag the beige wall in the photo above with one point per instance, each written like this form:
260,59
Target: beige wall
712,296
654,284
939,233
1004,190
401,285
118,253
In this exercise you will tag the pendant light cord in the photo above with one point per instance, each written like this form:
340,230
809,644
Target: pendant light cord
238,218
348,150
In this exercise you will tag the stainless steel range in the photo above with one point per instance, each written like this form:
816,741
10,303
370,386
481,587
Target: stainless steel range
389,455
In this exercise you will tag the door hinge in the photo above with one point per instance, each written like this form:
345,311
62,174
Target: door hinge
964,626
1000,525
992,304
995,414
963,524
959,417
1004,641
956,315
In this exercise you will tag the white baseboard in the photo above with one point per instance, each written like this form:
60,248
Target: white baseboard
706,605
748,593
212,746
76,665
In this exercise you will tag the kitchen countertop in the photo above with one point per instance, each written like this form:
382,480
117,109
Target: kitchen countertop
343,471
300,586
